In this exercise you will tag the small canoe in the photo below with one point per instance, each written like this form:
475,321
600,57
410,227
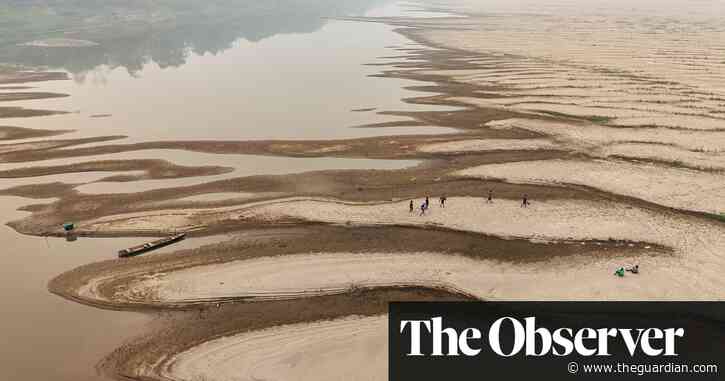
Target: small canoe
140,249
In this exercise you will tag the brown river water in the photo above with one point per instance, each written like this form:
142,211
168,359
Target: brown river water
298,81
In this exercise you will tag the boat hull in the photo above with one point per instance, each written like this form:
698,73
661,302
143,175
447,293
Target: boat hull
151,246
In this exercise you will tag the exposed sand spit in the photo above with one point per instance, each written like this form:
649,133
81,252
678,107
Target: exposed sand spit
25,76
21,112
686,122
693,149
213,198
301,275
60,43
694,272
11,133
106,283
307,275
544,220
21,96
622,115
589,136
326,337
669,154
9,148
43,146
154,169
159,220
476,145
672,187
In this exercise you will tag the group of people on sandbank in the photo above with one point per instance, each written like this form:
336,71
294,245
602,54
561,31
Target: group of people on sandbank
425,205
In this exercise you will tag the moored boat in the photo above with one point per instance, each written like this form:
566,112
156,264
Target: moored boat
140,249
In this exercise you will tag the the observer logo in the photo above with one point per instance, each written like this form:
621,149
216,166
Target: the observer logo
536,341
640,341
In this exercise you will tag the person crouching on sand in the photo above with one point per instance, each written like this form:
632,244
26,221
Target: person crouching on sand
525,202
423,207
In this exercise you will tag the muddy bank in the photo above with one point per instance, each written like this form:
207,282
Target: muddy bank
391,147
21,112
432,179
12,75
145,357
8,75
8,150
15,133
21,96
154,169
352,185
273,242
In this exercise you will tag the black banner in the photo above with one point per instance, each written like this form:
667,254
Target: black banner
557,340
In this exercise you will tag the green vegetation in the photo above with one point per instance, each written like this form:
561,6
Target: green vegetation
599,119
720,217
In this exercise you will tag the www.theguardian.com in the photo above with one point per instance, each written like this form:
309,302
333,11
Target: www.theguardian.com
642,369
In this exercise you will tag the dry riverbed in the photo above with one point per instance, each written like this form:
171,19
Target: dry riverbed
616,173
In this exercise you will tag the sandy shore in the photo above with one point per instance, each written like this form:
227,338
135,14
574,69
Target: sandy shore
331,350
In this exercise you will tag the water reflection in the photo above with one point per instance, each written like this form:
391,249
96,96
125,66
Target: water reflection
299,86
132,34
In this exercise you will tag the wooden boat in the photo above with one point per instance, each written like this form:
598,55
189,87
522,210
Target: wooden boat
140,249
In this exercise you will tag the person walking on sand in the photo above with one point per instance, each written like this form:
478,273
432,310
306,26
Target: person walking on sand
525,202
443,201
427,202
411,206
489,200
